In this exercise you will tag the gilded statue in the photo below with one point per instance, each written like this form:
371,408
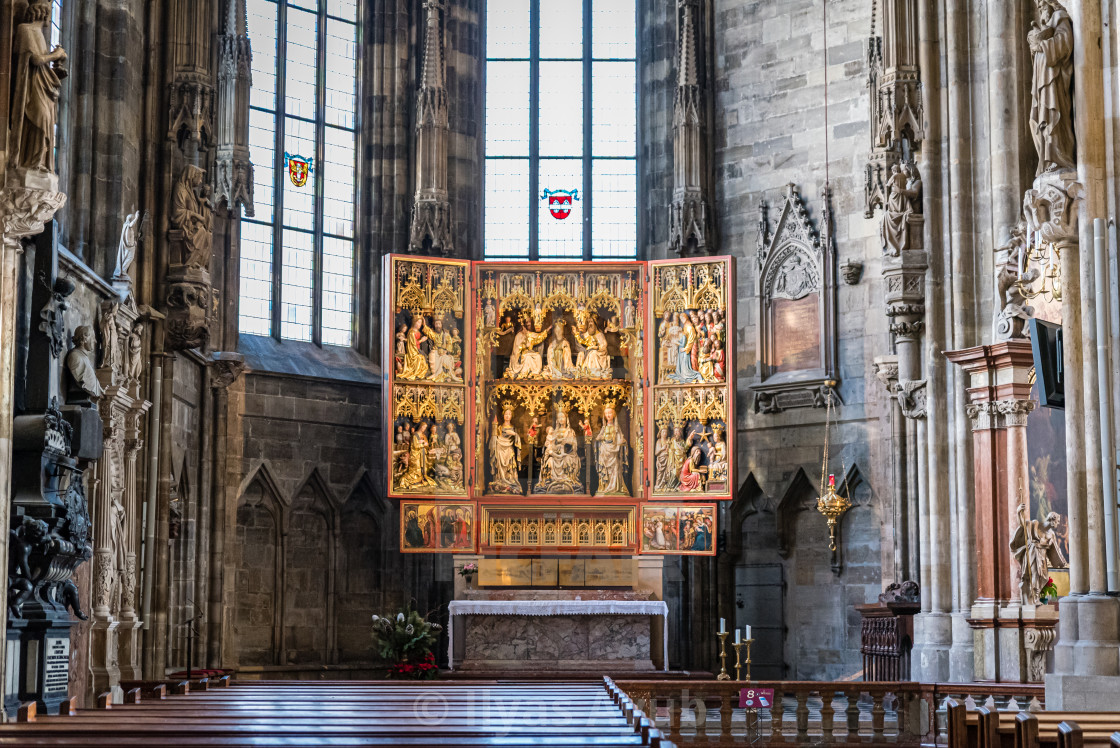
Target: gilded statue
192,215
668,334
560,364
1035,548
560,463
79,363
441,355
413,364
593,361
717,456
1051,116
692,472
505,454
37,72
525,362
612,454
678,453
416,474
687,348
904,199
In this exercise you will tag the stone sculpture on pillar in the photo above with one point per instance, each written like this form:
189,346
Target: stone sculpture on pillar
1035,548
689,221
233,171
37,73
189,296
1013,312
126,248
901,210
1051,117
431,209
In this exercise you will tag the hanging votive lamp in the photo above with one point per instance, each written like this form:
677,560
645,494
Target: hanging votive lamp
832,505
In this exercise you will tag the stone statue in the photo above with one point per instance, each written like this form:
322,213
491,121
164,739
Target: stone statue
135,366
612,456
1035,547
117,541
1051,117
111,354
37,71
1011,319
560,463
192,215
78,362
664,477
505,453
904,199
126,249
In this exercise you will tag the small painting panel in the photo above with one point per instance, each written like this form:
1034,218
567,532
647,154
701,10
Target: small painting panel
680,529
437,528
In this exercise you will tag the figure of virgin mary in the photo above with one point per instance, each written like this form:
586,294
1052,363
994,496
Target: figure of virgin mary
612,454
505,449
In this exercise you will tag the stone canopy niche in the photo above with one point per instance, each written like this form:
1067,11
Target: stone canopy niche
558,398
797,297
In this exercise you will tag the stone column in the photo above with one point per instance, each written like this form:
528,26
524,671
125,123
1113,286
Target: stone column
998,402
28,201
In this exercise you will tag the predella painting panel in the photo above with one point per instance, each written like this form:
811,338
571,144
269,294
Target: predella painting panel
437,528
678,529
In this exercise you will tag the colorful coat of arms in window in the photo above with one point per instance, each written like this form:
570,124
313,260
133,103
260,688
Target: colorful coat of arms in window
560,202
299,167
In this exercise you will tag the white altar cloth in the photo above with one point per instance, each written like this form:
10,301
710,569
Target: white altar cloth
558,608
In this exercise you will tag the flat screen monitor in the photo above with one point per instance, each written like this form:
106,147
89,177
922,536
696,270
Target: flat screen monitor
1049,371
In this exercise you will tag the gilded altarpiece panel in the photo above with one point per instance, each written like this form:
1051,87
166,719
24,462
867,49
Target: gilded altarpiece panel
536,395
692,400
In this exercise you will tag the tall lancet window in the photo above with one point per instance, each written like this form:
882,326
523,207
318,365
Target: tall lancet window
298,252
561,130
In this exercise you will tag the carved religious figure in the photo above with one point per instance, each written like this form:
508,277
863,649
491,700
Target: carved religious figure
1035,547
1051,116
664,476
593,361
560,463
441,359
414,366
505,453
83,375
717,456
687,344
668,335
111,354
192,215
135,366
1014,312
126,248
678,453
37,71
416,474
560,364
117,542
692,472
524,361
612,454
904,199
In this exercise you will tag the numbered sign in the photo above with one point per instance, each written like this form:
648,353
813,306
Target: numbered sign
756,698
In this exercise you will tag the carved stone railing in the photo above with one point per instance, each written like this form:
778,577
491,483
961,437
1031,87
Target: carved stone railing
820,713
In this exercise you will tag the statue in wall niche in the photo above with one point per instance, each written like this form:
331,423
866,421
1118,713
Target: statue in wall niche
1035,548
83,375
717,456
193,216
1051,117
593,361
117,539
678,453
687,347
904,199
38,71
505,453
560,365
126,248
612,455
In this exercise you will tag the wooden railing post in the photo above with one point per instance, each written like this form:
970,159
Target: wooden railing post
802,716
725,712
827,714
852,713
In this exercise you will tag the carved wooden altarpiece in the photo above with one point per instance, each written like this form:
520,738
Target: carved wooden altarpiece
547,401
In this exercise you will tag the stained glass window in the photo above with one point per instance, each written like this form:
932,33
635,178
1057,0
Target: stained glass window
561,130
297,253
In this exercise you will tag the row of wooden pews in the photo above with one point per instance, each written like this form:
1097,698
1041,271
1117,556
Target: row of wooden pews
984,728
341,713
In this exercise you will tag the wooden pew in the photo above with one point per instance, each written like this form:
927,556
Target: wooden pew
983,728
354,713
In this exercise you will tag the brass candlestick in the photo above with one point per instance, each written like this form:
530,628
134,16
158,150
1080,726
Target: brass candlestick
723,657
738,665
748,663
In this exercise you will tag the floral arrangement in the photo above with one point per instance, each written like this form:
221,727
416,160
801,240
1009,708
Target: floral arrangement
406,642
1049,591
468,569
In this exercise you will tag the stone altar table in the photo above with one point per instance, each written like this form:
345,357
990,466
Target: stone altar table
593,635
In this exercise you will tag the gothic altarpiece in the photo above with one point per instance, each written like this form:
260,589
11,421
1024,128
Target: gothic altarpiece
573,408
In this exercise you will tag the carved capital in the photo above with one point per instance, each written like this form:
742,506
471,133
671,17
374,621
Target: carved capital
189,301
1037,641
25,209
1014,412
227,367
886,371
